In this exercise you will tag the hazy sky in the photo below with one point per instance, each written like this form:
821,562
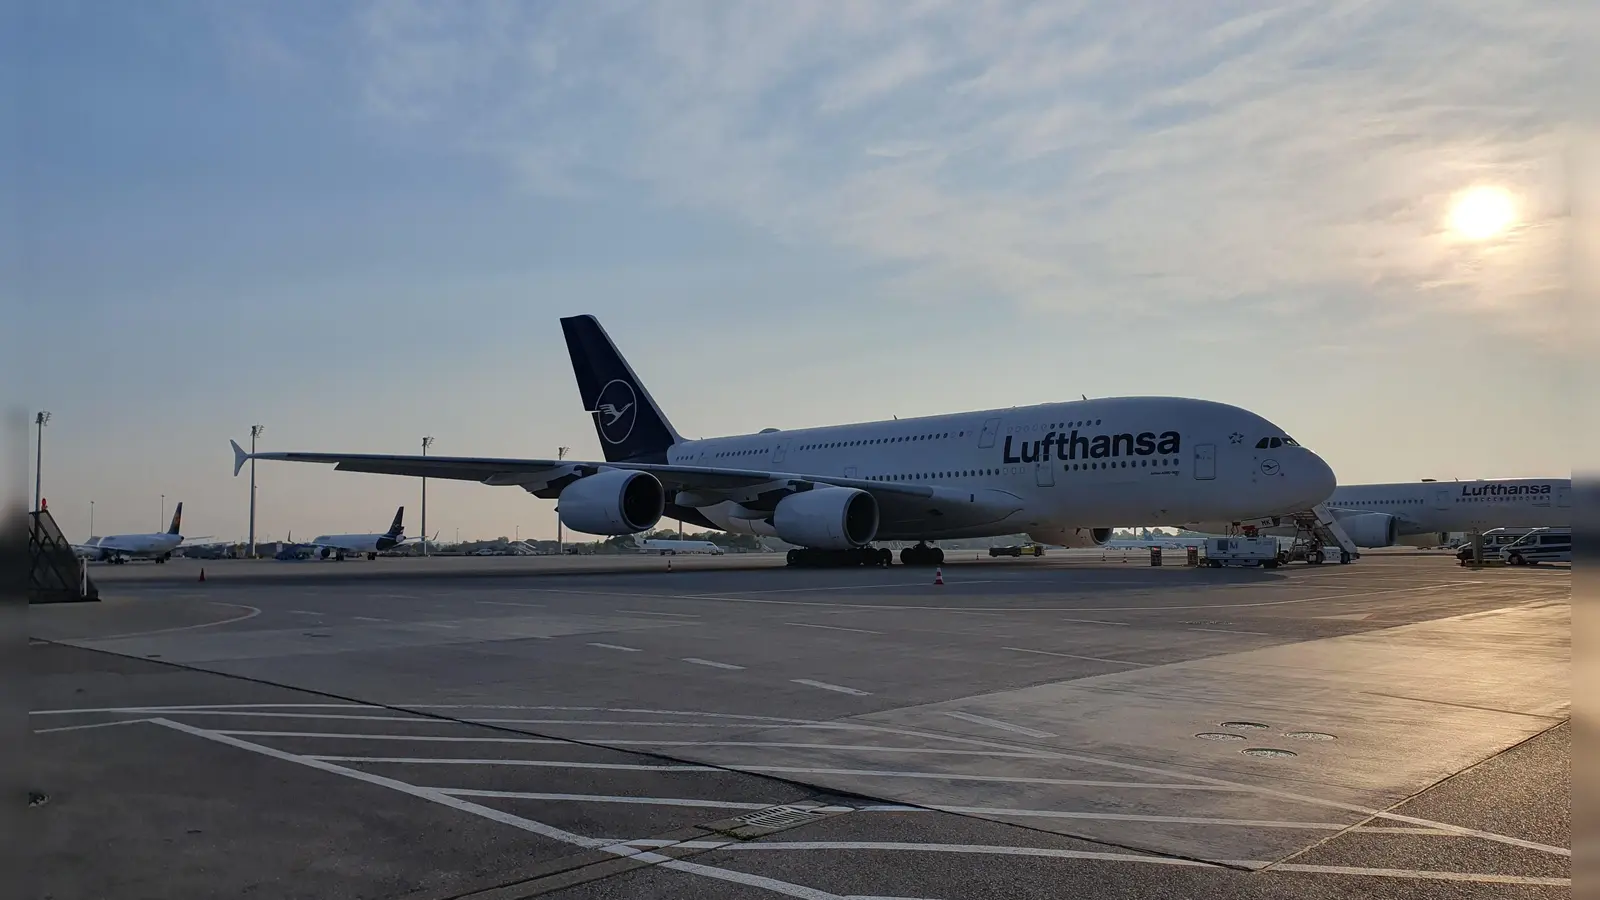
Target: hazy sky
357,223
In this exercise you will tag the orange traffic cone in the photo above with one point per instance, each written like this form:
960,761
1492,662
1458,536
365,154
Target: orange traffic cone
938,575
202,574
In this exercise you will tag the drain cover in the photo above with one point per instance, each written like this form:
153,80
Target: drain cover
1246,726
1308,736
1219,736
780,817
1268,752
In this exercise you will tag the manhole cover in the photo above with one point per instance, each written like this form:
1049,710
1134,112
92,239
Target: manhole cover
1308,736
779,817
1246,726
1267,752
1219,736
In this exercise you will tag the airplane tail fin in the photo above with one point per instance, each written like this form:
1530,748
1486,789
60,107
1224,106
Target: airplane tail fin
630,425
177,520
395,528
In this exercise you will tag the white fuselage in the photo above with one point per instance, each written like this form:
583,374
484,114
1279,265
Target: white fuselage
139,546
655,545
1044,470
357,543
1444,506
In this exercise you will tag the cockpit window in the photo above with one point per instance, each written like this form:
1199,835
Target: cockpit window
1261,444
1277,442
1289,442
1268,443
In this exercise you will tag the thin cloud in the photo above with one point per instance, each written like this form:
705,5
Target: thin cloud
1154,156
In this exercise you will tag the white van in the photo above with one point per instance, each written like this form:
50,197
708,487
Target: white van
1494,540
1539,545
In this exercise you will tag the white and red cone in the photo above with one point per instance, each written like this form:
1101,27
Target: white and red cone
938,575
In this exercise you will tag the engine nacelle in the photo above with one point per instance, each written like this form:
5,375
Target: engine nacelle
1073,538
613,502
1372,529
827,518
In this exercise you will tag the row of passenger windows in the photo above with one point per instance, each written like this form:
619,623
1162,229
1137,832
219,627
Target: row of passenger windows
1379,502
870,441
760,452
1070,467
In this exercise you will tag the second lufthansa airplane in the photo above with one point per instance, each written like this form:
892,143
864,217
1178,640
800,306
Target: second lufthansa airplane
1064,473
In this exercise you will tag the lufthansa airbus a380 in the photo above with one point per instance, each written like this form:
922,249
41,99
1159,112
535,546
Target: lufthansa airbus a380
1065,473
1380,515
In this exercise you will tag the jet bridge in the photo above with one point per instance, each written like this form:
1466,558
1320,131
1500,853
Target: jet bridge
55,573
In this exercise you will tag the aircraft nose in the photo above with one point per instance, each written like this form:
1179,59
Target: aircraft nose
1315,477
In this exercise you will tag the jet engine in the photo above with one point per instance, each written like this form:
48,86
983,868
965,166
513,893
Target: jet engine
827,518
614,501
1077,537
1372,529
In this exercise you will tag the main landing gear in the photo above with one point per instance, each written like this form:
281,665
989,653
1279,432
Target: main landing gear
922,555
812,558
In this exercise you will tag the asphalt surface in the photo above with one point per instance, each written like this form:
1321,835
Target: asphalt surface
1029,728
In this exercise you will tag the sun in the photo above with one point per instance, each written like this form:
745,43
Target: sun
1482,212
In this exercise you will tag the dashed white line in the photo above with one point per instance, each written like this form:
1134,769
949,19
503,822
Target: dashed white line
369,619
650,612
831,687
708,662
347,736
304,612
533,763
1119,662
616,647
509,603
832,627
996,723
1230,631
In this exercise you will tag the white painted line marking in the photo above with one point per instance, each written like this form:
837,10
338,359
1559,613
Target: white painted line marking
113,637
708,662
369,619
528,825
927,848
1002,779
87,726
1423,874
1053,853
1067,609
651,612
270,714
996,723
533,763
201,708
998,812
832,627
439,624
599,798
509,603
1120,662
349,736
304,612
1230,631
831,687
397,596
616,647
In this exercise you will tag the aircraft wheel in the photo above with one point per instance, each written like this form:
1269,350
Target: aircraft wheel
372,556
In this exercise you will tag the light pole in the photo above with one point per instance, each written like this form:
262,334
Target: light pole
255,432
561,547
426,443
91,519
163,511
41,420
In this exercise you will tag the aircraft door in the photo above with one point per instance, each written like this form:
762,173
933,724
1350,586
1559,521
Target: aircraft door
1564,497
1044,474
1443,498
779,450
1205,462
986,437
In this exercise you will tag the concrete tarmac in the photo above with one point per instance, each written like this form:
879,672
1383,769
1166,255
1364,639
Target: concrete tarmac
1031,728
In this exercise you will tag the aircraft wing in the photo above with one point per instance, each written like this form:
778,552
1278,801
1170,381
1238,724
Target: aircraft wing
545,477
